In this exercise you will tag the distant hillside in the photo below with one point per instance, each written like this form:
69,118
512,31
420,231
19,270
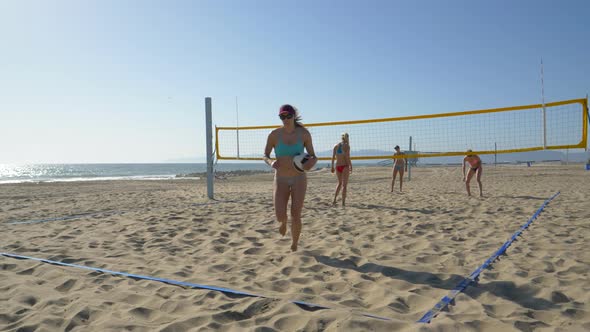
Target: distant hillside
549,155
195,160
502,158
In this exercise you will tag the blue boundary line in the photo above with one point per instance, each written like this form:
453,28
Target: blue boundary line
474,276
309,306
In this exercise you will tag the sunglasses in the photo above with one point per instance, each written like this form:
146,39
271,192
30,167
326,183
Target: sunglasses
283,117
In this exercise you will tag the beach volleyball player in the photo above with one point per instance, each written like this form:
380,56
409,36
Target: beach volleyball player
399,166
341,154
475,167
288,141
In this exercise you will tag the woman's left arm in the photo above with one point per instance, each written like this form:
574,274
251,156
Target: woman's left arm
406,164
307,142
348,161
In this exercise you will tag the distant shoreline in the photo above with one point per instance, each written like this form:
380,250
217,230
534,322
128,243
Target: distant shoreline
235,173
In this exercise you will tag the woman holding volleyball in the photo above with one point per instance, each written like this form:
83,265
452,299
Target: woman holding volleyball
288,141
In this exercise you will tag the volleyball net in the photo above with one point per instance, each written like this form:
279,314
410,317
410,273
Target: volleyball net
556,125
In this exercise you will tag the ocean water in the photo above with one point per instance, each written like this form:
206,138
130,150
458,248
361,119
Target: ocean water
94,172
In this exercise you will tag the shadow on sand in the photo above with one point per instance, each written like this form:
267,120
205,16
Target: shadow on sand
383,207
524,197
521,295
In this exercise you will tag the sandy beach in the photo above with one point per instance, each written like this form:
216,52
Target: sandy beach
393,255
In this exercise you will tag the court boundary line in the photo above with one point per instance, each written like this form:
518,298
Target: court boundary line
473,278
301,304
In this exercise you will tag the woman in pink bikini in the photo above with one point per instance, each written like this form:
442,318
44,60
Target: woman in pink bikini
341,153
475,167
288,141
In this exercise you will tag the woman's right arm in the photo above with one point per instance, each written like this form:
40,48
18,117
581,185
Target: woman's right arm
463,168
333,156
268,149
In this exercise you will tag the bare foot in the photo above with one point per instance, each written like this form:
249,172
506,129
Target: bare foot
283,229
294,247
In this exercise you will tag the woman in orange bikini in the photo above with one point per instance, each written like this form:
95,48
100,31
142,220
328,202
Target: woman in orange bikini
475,167
341,153
287,142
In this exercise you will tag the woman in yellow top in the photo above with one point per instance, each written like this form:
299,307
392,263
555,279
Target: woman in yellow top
475,167
341,153
288,141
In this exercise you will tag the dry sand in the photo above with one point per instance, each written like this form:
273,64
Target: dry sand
390,254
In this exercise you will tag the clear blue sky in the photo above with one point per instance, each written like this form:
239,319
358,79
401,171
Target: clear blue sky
125,81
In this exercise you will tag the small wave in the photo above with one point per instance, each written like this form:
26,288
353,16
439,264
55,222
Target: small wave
103,178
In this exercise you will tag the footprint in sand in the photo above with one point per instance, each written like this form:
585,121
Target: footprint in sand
252,251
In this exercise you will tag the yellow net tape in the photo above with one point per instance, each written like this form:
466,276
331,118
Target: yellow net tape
498,130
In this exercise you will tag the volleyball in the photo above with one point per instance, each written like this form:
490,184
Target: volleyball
299,160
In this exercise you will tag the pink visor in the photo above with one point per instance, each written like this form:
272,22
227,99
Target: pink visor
287,109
